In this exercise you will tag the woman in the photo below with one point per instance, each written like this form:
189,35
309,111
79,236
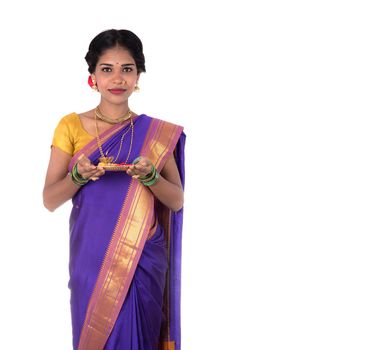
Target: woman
125,175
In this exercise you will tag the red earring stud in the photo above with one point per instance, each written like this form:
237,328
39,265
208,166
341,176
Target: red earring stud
92,83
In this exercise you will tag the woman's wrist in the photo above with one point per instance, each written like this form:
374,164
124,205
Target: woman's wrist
76,177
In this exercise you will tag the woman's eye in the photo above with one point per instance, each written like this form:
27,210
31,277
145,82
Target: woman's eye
126,69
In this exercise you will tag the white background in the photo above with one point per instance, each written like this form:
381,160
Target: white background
284,104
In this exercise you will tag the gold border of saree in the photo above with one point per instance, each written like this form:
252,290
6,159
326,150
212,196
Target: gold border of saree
127,242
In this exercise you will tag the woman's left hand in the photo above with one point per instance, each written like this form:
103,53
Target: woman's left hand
141,168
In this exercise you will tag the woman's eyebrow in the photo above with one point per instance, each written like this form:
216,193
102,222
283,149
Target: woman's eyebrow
111,65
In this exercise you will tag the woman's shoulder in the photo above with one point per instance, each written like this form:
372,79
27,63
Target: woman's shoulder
69,118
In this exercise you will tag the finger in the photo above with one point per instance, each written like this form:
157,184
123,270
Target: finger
88,163
144,170
133,169
88,174
82,156
131,173
96,174
87,167
85,173
138,159
99,172
143,163
140,168
83,161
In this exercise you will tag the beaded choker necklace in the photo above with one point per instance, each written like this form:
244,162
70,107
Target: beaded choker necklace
109,120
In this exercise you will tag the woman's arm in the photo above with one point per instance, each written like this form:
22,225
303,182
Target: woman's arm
59,187
168,189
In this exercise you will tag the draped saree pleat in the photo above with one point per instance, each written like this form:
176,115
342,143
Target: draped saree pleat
121,257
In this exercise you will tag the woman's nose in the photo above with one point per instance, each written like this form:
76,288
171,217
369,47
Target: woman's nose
118,77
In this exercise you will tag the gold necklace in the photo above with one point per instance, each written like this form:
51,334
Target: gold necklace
126,116
105,160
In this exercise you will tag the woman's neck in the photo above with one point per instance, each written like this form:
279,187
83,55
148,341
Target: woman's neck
113,111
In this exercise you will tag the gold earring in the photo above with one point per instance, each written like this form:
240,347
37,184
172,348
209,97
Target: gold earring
94,87
137,89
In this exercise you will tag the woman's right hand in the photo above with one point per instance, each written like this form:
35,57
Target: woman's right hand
88,170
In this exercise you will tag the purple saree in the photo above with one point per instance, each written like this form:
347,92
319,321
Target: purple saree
125,248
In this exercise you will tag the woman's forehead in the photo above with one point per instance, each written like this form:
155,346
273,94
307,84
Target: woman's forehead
117,55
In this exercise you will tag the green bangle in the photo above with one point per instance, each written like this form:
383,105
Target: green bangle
75,181
137,160
152,181
149,176
76,177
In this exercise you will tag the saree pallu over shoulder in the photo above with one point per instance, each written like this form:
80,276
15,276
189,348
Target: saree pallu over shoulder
172,224
131,216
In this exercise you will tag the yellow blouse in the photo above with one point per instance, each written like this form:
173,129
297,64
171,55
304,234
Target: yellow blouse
69,135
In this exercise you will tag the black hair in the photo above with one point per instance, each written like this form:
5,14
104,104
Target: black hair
111,38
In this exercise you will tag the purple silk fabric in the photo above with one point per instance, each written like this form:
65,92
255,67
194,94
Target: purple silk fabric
176,252
96,207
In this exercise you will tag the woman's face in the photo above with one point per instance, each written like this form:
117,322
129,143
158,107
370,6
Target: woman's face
116,75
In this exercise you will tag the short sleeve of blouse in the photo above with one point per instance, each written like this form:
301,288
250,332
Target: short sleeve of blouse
63,138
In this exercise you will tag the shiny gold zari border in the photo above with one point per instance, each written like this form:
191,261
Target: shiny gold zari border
163,142
118,268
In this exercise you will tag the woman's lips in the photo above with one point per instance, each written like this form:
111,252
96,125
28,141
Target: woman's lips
117,91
